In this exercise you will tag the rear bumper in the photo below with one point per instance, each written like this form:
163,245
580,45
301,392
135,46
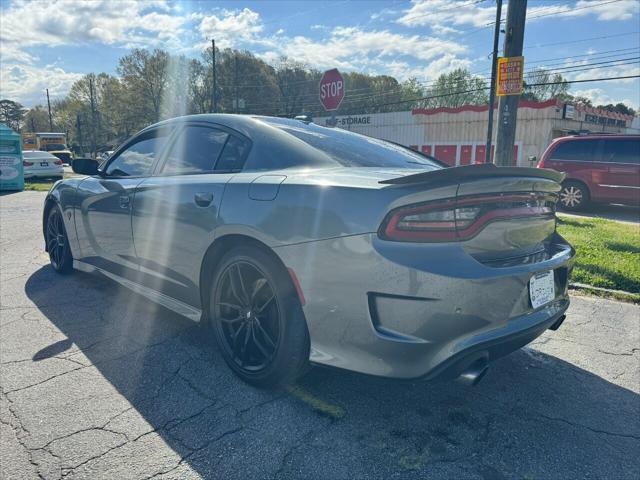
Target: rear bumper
522,331
45,172
417,311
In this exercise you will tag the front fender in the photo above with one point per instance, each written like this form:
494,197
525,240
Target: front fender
63,195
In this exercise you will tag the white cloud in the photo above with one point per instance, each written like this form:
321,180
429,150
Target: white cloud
598,96
231,28
27,84
67,22
353,47
447,13
444,13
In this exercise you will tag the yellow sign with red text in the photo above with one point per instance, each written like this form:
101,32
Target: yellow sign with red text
510,72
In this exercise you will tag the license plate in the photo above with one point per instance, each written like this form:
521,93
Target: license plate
44,164
542,289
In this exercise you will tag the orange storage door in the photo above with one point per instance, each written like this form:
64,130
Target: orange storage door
446,153
465,154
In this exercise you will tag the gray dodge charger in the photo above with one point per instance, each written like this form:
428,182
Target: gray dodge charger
300,244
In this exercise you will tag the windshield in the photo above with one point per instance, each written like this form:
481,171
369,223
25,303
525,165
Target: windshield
54,146
353,150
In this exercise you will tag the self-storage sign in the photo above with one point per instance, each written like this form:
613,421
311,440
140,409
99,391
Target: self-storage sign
510,71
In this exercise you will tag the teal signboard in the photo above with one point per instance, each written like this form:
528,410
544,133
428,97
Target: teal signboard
11,168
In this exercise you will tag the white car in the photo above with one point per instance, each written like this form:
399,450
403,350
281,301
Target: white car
41,164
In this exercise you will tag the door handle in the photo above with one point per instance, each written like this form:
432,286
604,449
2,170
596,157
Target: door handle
125,201
203,199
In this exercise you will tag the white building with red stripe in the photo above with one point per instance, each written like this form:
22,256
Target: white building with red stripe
457,136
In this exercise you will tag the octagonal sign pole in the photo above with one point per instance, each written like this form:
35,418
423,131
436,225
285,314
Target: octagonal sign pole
331,91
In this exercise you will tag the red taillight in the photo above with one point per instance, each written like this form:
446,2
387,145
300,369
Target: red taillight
58,162
541,164
455,220
27,164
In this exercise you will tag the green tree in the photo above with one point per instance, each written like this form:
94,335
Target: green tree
454,89
553,86
618,108
145,75
36,119
298,87
12,114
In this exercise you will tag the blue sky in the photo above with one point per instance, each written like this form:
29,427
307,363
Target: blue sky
52,44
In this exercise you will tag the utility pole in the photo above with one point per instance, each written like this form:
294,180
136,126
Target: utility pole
508,105
93,117
214,100
492,91
79,131
235,82
50,117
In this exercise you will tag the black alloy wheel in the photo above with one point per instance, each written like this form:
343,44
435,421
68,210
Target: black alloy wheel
257,318
58,243
248,310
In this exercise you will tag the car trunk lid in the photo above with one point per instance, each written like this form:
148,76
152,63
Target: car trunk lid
497,212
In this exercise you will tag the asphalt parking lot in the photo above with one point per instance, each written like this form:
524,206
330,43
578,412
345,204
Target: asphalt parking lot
96,382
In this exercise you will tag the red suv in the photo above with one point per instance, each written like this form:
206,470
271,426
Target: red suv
598,168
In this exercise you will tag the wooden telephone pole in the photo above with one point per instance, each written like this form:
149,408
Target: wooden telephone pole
214,99
492,91
508,104
49,108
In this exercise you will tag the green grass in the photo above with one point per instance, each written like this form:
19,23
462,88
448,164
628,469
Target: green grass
38,185
608,252
42,184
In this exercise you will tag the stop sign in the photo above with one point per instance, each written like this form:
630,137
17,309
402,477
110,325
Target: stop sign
331,89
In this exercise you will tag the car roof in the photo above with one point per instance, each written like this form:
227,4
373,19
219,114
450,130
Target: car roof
598,136
249,125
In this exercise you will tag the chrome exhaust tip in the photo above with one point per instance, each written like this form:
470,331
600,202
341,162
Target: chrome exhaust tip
472,375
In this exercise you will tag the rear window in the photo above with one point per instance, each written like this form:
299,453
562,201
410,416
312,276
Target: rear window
195,151
583,150
621,151
352,150
234,154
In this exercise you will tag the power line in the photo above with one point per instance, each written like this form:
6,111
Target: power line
575,9
454,7
397,90
581,40
459,92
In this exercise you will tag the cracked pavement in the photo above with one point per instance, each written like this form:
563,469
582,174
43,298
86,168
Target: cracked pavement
97,382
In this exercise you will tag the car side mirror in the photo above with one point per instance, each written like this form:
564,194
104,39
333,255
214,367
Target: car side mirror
85,166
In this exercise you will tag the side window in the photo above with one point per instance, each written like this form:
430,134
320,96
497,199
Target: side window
621,151
583,150
233,155
195,151
138,158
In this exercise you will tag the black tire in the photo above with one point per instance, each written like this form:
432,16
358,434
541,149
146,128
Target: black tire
58,242
573,196
257,319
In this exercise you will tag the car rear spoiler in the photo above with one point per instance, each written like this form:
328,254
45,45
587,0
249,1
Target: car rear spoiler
472,172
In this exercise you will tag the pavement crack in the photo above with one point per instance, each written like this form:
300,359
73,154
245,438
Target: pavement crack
594,430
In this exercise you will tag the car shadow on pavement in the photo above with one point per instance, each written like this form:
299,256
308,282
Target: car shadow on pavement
154,387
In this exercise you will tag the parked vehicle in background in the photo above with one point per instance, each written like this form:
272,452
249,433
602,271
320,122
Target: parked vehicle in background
54,143
65,155
598,168
105,155
300,243
38,164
